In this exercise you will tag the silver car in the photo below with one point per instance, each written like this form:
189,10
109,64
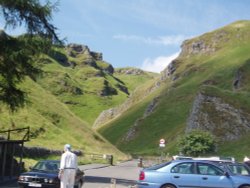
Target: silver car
191,174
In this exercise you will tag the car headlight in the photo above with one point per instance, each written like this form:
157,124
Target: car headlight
49,180
23,178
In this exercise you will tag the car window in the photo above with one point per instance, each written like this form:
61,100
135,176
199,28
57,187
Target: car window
47,166
158,166
239,169
183,168
209,169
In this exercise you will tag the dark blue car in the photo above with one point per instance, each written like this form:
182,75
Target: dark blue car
45,174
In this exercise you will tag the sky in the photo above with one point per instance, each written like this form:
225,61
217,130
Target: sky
146,34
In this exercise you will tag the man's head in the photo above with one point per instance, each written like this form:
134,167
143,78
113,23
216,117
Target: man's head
67,147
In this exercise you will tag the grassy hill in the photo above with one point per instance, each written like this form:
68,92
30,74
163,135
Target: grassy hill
215,65
75,86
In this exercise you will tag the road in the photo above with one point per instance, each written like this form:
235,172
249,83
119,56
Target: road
101,176
124,174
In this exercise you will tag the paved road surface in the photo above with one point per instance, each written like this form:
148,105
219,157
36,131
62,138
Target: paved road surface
100,176
125,175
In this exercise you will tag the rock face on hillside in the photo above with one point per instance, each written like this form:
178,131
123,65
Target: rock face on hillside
76,49
112,113
131,133
202,46
218,117
130,71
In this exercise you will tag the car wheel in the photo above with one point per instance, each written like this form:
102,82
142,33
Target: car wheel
168,186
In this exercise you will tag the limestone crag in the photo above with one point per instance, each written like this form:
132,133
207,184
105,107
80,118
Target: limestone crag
131,133
88,57
218,117
202,46
112,113
75,49
130,71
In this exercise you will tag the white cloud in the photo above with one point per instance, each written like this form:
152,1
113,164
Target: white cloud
159,63
160,40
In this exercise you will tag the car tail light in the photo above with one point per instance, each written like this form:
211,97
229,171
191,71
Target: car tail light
142,175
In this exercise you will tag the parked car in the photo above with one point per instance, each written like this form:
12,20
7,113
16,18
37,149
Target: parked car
191,173
45,174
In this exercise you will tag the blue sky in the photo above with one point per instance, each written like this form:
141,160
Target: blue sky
142,33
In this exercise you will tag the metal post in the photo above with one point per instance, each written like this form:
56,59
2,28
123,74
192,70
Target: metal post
1,159
4,159
111,160
113,183
12,160
21,158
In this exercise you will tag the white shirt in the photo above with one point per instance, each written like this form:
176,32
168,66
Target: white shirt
68,160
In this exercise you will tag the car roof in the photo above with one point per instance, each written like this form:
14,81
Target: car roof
194,161
45,160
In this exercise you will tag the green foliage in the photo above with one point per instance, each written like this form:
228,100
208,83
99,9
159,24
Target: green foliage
197,143
17,55
35,16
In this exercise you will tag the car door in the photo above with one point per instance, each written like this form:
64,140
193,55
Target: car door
212,176
183,175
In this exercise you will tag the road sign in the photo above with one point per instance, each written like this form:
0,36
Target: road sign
162,145
162,141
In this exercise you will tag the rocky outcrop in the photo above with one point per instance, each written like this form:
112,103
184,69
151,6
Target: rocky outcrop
90,58
107,90
130,71
131,133
74,50
223,120
110,114
197,47
237,80
202,45
108,69
170,70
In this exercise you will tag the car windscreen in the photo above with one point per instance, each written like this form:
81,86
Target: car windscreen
51,166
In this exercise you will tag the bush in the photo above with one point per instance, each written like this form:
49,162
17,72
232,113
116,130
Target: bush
197,143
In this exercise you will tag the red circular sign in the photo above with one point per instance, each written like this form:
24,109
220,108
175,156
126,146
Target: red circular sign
162,141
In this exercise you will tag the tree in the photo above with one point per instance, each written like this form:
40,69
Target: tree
35,16
18,54
197,143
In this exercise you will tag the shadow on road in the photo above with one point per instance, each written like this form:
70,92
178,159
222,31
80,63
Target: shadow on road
108,180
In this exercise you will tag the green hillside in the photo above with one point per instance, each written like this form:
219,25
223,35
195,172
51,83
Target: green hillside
215,65
75,86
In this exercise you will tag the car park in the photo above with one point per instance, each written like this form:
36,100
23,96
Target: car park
45,174
192,173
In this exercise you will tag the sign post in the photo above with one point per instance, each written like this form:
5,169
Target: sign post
162,145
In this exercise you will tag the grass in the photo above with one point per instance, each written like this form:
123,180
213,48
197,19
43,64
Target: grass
65,101
169,119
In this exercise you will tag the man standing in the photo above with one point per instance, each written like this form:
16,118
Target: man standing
68,166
